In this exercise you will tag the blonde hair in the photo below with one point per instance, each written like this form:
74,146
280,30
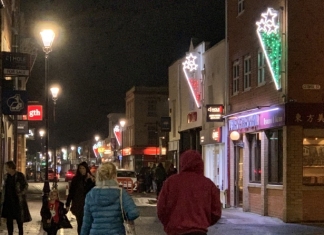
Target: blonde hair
51,193
107,171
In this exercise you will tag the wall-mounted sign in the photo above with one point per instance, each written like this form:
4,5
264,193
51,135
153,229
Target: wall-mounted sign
14,102
15,64
118,134
190,69
311,86
214,112
35,112
217,134
166,124
270,39
22,127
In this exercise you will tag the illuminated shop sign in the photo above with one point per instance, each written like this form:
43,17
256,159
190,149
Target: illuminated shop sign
35,112
190,69
269,118
217,134
270,40
214,113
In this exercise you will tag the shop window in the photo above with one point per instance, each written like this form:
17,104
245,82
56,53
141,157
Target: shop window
255,157
313,161
275,156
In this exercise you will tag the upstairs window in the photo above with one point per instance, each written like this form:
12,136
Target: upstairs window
247,72
240,6
236,77
261,68
151,108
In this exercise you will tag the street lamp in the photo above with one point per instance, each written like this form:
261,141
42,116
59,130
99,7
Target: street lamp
122,124
41,134
72,153
48,36
54,90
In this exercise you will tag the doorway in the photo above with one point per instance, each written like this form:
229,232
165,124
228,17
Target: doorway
238,174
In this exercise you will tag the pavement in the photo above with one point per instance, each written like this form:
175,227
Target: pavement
233,222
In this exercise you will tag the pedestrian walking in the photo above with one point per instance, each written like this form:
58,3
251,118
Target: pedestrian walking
105,204
171,171
153,177
189,202
81,184
53,214
14,202
160,176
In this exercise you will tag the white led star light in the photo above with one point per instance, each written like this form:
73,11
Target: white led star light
189,68
270,40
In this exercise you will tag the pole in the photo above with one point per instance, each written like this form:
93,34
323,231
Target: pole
121,152
54,147
46,188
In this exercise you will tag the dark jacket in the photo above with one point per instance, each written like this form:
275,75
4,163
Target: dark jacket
160,173
79,188
189,202
15,204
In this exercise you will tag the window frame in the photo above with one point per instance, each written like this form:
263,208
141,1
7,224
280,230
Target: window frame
275,157
247,73
261,68
236,77
255,172
240,6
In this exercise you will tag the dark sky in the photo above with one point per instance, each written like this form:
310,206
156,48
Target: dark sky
105,47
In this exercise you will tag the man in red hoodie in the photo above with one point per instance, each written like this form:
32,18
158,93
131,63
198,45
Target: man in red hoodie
189,202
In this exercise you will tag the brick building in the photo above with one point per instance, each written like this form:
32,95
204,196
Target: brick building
275,107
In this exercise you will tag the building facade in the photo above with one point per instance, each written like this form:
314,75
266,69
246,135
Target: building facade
275,109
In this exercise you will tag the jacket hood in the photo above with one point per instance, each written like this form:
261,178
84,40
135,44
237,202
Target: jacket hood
191,161
107,194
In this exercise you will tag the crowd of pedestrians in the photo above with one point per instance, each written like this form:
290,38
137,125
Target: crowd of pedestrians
101,207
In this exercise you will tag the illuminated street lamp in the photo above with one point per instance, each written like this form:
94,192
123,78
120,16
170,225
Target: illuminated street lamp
48,36
122,124
97,137
54,90
41,134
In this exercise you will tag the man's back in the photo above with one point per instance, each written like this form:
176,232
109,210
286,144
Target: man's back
189,202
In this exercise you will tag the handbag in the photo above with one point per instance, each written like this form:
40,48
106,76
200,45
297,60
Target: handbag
64,222
129,227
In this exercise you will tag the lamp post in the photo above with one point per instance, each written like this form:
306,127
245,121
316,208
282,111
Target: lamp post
48,36
72,153
54,90
122,124
41,134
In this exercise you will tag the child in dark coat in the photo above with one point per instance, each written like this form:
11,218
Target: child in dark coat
52,213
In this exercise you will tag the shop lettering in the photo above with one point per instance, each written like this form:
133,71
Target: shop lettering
268,121
35,112
243,123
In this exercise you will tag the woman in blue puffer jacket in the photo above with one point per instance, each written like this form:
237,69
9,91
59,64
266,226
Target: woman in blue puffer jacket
102,210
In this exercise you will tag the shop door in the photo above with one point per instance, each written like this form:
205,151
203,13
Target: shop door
238,182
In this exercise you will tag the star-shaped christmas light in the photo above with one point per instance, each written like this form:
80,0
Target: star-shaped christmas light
270,39
189,68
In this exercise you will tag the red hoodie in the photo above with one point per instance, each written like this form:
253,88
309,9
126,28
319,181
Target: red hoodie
189,202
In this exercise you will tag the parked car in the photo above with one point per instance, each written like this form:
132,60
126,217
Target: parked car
69,175
51,175
123,174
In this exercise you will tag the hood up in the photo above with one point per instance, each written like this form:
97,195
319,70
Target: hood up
191,161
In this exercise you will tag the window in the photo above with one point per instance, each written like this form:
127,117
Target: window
240,6
152,135
236,77
255,157
151,108
275,156
261,68
247,72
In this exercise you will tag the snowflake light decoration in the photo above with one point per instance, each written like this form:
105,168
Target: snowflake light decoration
270,39
189,68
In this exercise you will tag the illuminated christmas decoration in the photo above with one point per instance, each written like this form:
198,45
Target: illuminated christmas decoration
270,39
190,70
117,134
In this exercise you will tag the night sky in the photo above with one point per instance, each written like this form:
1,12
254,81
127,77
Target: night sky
106,47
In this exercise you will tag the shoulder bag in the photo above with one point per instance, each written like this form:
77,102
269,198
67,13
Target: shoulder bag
129,227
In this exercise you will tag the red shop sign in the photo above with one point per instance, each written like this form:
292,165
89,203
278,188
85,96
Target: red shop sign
35,112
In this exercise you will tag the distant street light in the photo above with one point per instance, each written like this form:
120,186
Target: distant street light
48,36
54,90
41,134
122,124
97,137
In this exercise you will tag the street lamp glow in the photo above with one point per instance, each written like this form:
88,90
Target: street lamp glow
41,133
97,138
122,123
55,91
48,36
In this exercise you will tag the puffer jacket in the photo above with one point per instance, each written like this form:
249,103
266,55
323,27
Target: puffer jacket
102,211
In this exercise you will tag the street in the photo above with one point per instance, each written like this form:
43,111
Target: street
233,221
